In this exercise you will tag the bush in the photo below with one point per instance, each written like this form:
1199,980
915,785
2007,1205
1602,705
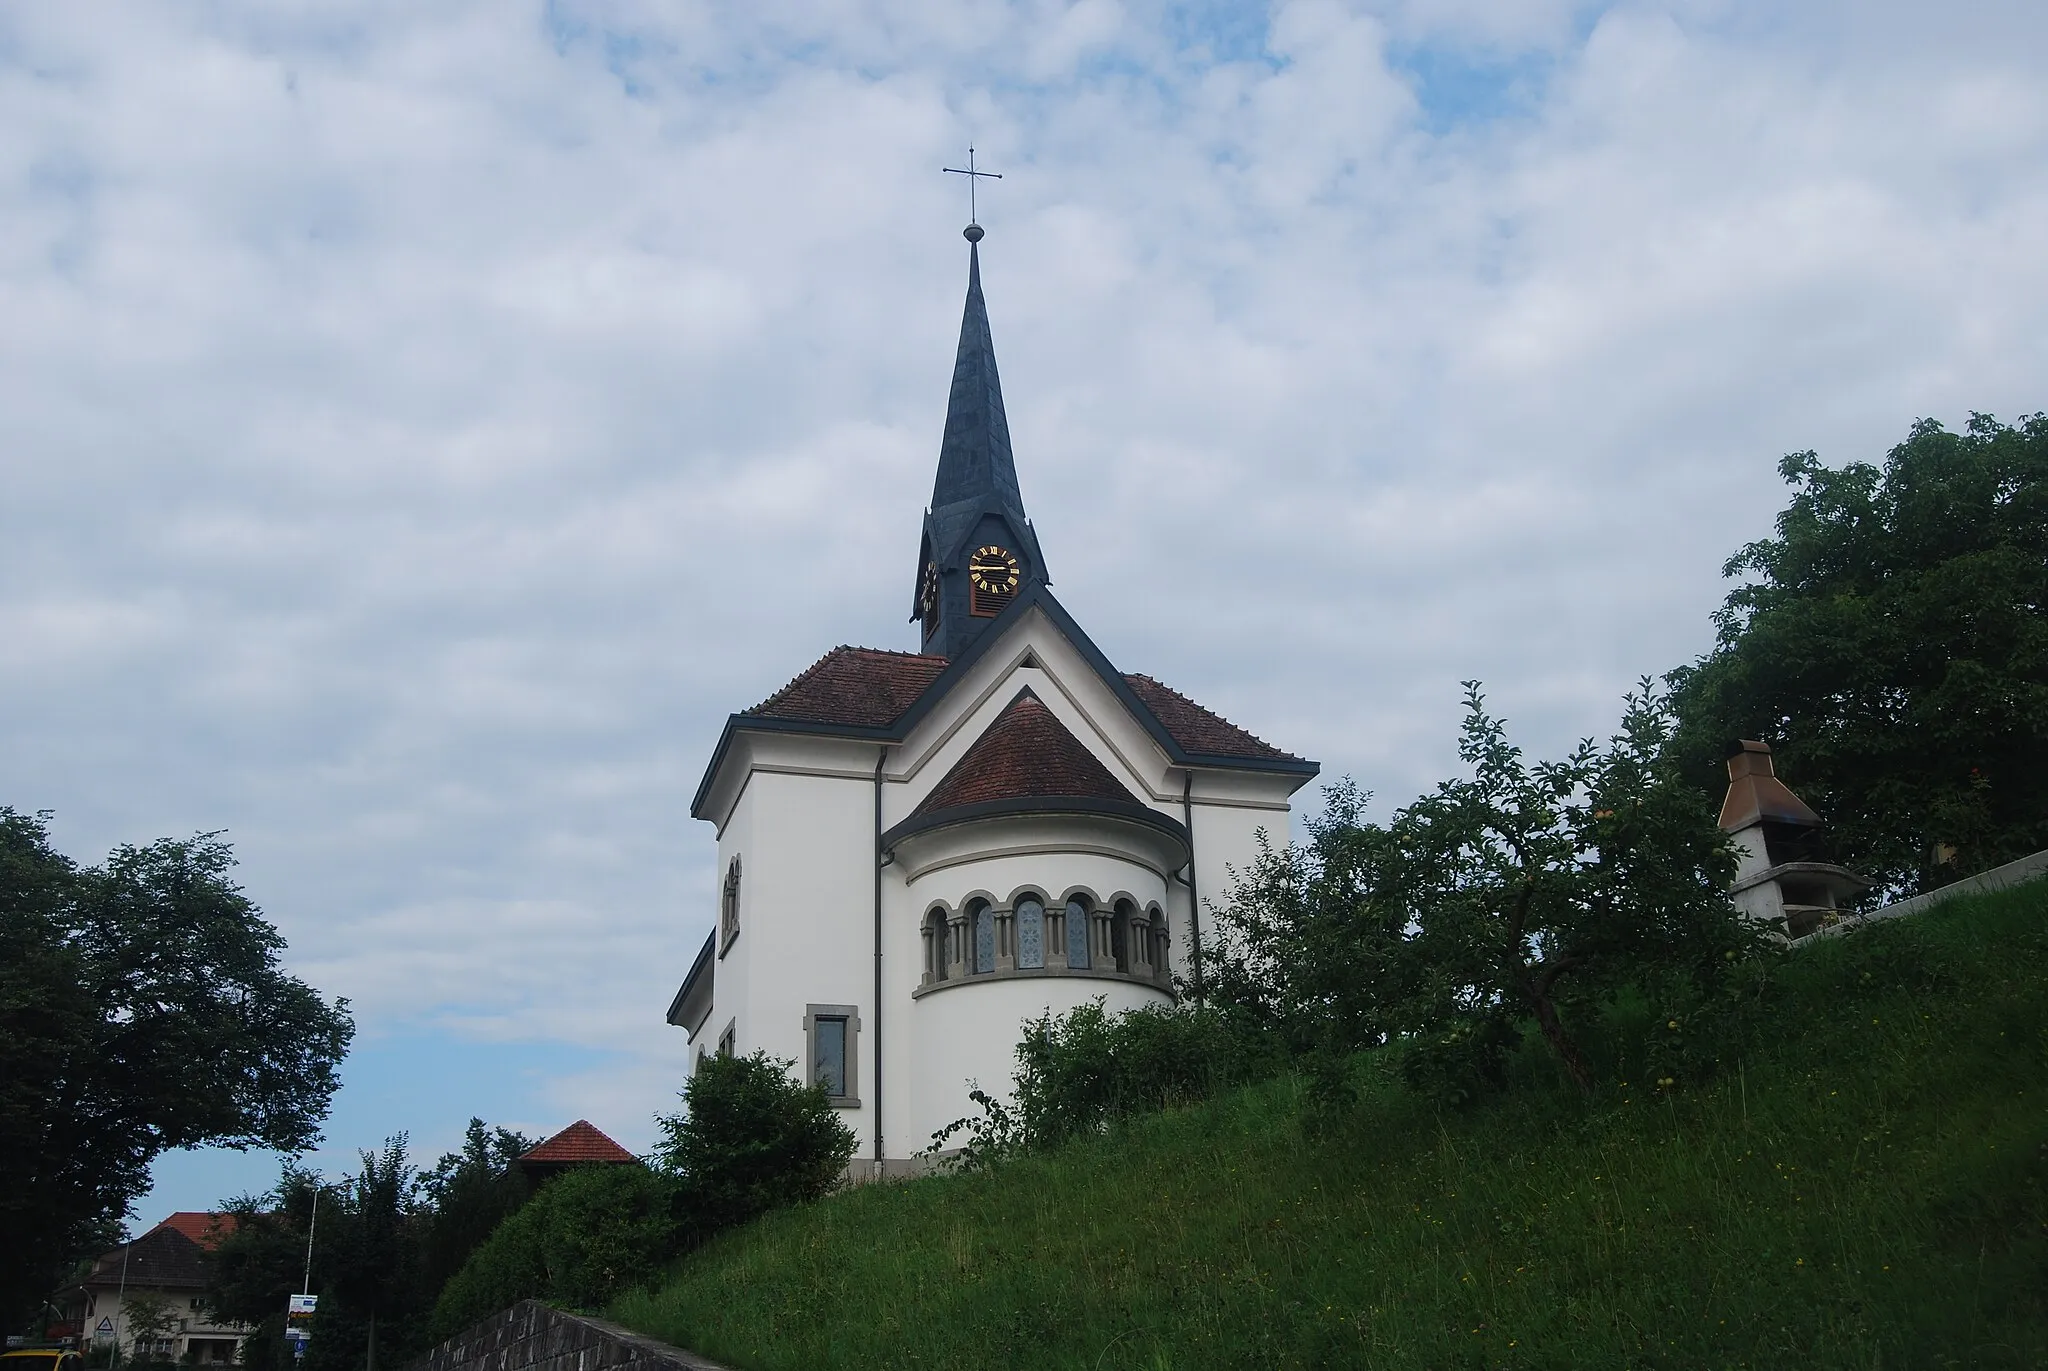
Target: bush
1080,1072
586,1236
752,1140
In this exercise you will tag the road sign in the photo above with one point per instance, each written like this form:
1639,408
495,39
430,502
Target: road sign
105,1325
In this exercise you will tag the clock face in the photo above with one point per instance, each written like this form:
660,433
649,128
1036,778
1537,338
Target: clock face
928,591
993,570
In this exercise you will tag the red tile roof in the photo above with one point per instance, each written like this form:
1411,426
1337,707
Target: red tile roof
1027,751
865,687
201,1227
860,686
1198,730
579,1142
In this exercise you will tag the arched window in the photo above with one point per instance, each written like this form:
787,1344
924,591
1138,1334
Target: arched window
982,924
935,946
1030,932
1120,934
1077,932
729,907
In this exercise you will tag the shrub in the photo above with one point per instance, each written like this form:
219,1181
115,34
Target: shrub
751,1140
587,1235
1080,1072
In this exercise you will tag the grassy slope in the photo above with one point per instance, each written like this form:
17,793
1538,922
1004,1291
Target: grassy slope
1872,1191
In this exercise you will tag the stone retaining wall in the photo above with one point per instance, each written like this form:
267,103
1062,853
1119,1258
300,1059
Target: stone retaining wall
532,1337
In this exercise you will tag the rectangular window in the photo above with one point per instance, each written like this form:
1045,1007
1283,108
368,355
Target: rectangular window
831,1063
831,1041
728,1040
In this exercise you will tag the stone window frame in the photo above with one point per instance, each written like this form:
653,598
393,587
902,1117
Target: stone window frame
729,1040
729,907
851,1014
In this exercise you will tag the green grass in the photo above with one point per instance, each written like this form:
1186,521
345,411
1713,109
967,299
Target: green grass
1870,1190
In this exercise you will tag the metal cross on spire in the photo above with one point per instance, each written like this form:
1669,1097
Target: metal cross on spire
969,171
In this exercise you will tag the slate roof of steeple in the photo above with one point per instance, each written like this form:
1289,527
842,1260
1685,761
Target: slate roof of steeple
977,473
974,456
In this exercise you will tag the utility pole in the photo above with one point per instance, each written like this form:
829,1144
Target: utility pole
121,1304
312,1222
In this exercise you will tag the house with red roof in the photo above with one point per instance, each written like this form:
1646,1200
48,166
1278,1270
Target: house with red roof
167,1270
921,851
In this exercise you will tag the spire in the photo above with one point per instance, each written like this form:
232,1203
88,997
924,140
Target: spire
978,549
974,457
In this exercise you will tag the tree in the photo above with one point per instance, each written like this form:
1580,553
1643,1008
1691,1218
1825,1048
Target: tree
149,1323
388,1241
469,1193
142,1009
585,1236
372,1301
261,1261
1892,647
1311,948
752,1140
1524,894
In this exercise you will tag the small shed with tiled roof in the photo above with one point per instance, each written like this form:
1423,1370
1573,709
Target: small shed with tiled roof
919,852
582,1143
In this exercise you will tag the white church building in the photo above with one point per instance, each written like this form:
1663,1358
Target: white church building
920,852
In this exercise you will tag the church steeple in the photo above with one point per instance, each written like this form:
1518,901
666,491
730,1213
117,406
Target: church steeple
978,550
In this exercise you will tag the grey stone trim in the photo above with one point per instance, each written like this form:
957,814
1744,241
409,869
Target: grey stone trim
851,1013
532,1337
1036,973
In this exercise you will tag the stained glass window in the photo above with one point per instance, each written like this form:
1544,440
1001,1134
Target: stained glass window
1030,933
1077,933
984,938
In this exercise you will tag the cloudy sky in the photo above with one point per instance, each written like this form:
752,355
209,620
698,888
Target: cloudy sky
422,424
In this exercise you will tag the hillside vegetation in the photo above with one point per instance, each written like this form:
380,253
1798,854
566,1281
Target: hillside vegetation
1867,1189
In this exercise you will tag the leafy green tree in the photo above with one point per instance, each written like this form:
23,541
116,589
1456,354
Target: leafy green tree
1524,894
261,1261
1891,644
388,1241
149,1323
750,1140
468,1194
142,1008
1313,950
373,1306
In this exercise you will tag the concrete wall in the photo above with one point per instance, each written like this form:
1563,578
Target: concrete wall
532,1337
2026,869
